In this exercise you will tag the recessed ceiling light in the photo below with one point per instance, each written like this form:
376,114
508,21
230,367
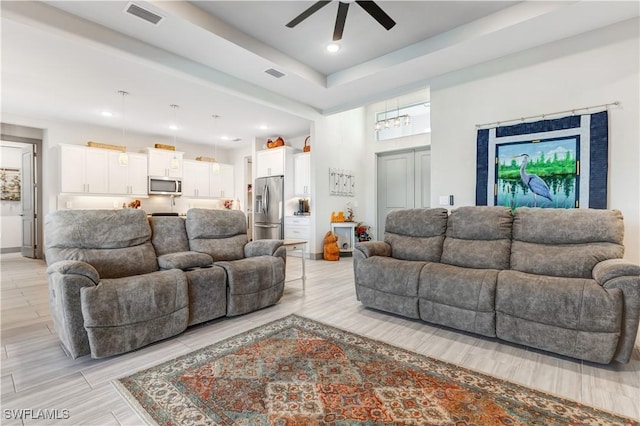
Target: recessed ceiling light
106,114
173,127
225,138
263,127
333,47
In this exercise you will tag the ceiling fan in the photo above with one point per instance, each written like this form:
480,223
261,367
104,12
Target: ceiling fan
369,6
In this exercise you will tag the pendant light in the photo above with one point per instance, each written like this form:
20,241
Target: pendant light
215,166
123,158
175,163
386,121
398,120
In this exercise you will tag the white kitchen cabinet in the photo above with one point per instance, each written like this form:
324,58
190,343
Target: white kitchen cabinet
127,177
202,179
163,162
302,174
83,170
222,182
195,182
274,161
297,228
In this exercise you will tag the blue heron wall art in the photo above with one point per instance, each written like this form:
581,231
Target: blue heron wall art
538,173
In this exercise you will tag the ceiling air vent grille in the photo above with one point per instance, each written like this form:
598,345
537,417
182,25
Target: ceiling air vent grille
275,73
144,14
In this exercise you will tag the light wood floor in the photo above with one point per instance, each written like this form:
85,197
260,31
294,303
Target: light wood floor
36,374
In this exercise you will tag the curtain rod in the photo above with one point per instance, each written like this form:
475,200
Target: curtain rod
572,111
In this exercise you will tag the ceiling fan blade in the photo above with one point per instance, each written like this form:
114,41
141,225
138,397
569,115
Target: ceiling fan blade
310,11
341,18
377,13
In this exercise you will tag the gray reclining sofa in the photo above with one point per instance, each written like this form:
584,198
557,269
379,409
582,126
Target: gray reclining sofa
119,280
552,279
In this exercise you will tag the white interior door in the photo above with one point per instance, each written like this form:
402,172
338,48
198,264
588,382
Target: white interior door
28,200
404,182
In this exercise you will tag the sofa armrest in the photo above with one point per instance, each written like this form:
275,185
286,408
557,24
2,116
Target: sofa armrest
374,248
66,279
618,275
609,269
75,267
184,260
262,248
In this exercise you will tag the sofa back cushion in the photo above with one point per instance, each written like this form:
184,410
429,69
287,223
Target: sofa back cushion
222,234
565,242
478,237
168,234
416,234
117,243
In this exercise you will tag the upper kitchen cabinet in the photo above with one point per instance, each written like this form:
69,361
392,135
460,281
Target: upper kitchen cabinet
128,174
195,182
274,161
84,170
222,181
302,174
207,180
163,162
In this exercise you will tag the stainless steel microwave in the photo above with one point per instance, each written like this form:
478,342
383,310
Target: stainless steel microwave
160,185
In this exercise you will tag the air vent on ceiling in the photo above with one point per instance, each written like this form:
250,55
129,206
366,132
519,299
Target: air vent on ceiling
275,73
144,14
236,140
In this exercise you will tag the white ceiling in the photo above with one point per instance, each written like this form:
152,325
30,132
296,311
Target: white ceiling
67,60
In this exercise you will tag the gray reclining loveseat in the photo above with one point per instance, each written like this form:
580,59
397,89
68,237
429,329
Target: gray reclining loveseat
553,279
119,280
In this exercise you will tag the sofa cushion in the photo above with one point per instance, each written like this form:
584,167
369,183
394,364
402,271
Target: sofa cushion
115,242
222,234
388,284
111,263
168,234
184,260
458,297
97,229
207,294
416,234
124,314
572,303
571,316
478,237
253,283
565,242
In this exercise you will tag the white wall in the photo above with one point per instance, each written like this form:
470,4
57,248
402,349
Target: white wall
338,141
595,68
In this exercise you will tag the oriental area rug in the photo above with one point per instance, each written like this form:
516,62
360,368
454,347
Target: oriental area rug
295,371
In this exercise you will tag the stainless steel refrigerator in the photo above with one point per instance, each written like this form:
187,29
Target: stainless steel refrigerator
268,214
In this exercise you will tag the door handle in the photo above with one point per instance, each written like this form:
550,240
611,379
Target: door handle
266,226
